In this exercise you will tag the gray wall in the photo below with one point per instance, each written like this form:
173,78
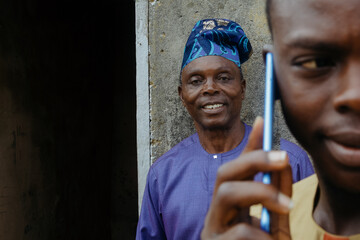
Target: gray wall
170,23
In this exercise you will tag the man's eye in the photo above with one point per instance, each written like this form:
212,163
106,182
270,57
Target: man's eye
317,63
195,81
223,78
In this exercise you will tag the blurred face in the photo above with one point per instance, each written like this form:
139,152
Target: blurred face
317,62
212,91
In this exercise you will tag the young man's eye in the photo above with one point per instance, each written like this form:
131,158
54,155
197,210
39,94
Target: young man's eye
316,63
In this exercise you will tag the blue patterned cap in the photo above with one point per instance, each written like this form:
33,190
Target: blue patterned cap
217,37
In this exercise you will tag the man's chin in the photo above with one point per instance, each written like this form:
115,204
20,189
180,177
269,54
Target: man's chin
345,179
215,126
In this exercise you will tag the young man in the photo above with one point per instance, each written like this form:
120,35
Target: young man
316,47
181,182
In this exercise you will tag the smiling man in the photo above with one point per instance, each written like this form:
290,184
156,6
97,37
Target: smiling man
316,48
181,182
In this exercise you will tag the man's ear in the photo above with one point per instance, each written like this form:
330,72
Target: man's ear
243,88
266,49
180,94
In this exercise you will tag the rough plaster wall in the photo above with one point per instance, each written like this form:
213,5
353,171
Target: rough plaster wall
170,22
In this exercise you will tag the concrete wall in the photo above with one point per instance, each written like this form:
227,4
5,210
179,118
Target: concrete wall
170,23
67,120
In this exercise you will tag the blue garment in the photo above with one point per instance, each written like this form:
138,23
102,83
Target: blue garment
180,185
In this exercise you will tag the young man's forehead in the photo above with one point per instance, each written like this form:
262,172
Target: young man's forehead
322,7
322,20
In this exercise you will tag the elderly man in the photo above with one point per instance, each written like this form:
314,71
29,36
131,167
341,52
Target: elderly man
181,182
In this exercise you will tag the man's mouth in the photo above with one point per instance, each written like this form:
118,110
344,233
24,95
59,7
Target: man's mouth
345,148
213,106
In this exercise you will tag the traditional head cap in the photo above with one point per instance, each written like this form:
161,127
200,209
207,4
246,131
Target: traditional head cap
217,37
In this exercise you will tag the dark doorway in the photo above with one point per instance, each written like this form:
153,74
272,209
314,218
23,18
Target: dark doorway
68,126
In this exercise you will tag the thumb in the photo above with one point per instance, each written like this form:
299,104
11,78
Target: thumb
256,136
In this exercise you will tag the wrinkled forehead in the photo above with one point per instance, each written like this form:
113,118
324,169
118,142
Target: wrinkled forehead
324,19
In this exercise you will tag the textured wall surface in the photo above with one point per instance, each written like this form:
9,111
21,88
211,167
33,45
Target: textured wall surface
170,22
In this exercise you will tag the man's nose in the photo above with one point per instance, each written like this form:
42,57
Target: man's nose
348,93
210,87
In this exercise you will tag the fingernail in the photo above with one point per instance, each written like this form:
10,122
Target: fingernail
285,201
277,156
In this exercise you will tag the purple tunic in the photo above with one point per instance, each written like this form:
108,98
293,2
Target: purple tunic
180,185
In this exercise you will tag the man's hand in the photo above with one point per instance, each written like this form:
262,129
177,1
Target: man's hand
235,191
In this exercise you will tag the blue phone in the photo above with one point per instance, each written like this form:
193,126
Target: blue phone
270,96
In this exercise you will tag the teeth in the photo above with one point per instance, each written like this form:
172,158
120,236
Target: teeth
213,106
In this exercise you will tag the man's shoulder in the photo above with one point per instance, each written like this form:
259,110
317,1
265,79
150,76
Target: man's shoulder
179,151
290,146
293,149
301,221
308,184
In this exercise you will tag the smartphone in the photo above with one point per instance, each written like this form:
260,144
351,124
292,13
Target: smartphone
270,96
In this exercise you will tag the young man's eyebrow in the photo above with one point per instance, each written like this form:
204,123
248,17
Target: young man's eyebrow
313,44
